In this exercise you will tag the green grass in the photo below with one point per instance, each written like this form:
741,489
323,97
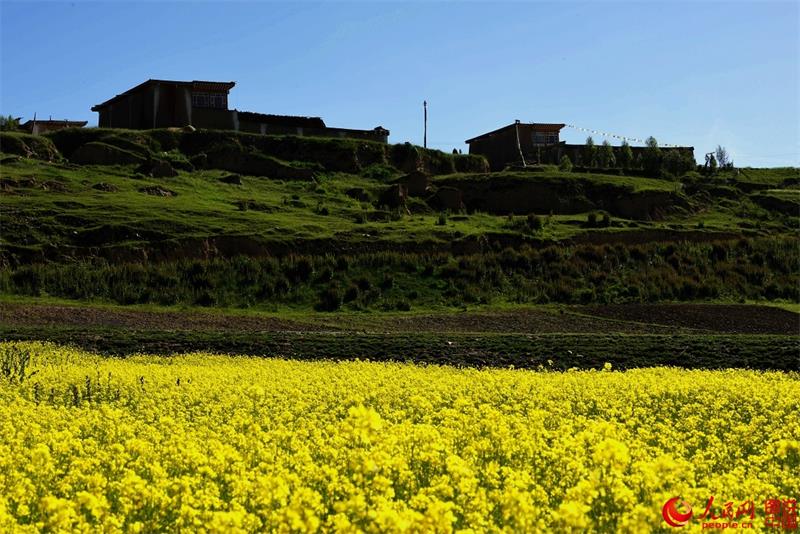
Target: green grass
73,213
792,195
770,177
52,210
581,273
630,183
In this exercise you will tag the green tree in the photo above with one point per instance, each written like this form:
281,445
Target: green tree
625,158
723,159
651,156
605,156
589,153
677,162
565,164
9,123
712,165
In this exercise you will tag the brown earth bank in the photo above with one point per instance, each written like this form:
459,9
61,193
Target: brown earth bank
627,319
227,246
89,316
724,318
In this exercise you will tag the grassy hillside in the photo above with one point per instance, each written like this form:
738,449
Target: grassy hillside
165,216
333,200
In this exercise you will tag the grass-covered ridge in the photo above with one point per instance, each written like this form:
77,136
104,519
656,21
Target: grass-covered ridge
330,195
729,271
554,176
216,218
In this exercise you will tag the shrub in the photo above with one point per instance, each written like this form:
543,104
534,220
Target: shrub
364,284
565,165
379,172
387,282
330,299
677,163
534,222
351,293
442,220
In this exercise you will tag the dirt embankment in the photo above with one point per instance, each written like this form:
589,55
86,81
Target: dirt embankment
503,195
733,318
624,319
100,317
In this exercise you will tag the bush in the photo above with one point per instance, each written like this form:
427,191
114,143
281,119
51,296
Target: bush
756,268
379,172
565,165
330,299
442,219
351,293
29,146
534,222
677,163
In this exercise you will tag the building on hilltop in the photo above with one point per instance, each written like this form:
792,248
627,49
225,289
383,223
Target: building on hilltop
500,146
204,104
536,143
36,126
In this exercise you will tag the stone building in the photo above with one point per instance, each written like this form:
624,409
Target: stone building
37,126
500,146
204,104
538,143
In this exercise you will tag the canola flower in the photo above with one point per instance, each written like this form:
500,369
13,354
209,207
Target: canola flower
216,443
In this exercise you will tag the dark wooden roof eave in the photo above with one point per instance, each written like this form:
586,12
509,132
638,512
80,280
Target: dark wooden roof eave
550,126
226,86
79,124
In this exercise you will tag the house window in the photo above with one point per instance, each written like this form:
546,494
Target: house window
544,138
208,100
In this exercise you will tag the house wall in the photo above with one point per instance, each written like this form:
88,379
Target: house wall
214,119
134,111
170,105
278,129
499,148
154,106
173,107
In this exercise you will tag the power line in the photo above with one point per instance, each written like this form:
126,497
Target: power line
622,137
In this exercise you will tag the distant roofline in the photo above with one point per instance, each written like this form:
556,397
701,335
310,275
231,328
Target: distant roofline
544,125
53,121
289,120
224,85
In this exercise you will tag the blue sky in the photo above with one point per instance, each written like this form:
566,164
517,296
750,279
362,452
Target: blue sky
690,73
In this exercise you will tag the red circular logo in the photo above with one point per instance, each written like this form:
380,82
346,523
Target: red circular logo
672,516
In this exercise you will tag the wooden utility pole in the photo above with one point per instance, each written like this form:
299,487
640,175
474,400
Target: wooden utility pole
519,146
425,114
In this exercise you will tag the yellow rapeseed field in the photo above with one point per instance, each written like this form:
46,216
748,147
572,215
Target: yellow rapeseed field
239,444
